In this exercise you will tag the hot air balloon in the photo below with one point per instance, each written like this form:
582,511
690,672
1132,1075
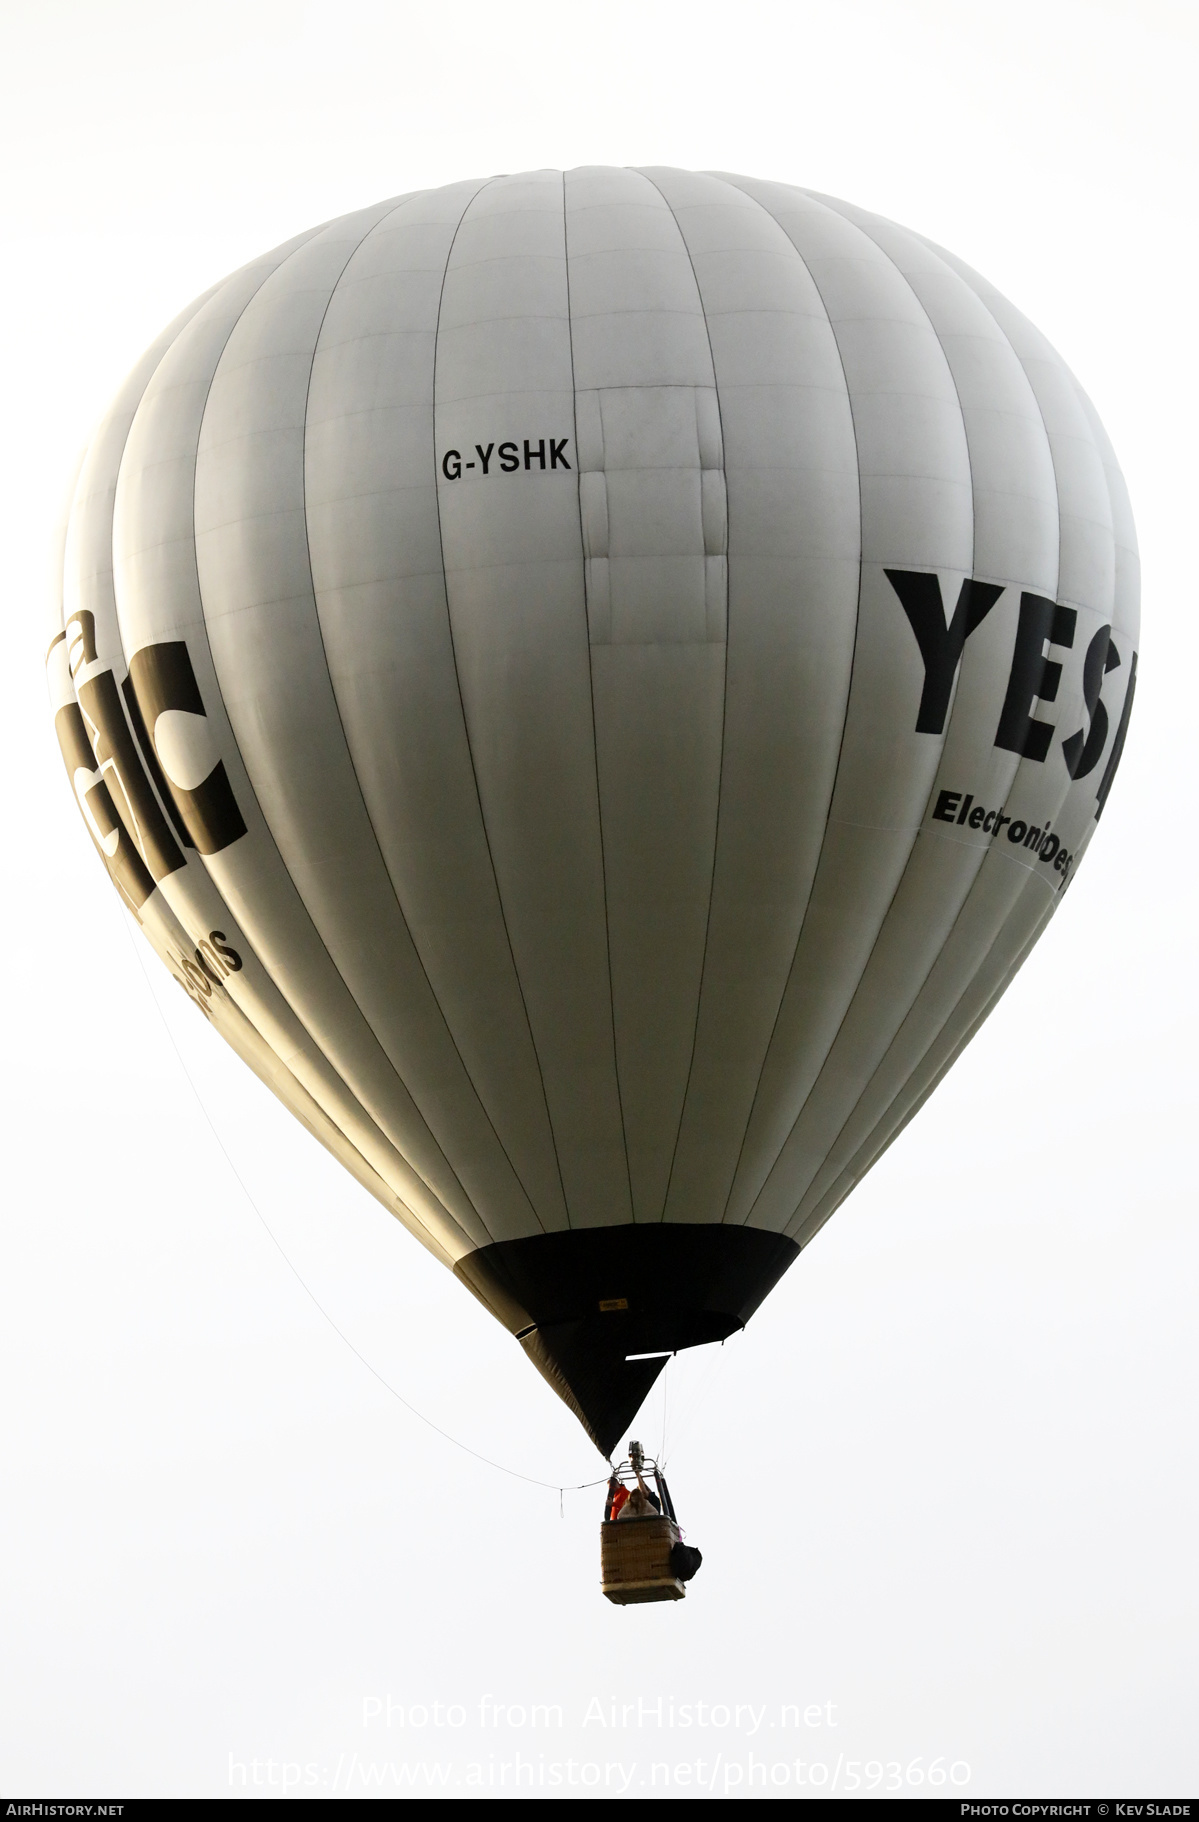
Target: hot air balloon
593,683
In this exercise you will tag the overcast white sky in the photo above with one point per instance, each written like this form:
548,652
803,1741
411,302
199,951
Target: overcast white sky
947,1481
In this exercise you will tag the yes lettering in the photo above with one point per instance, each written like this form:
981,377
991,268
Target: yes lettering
1043,626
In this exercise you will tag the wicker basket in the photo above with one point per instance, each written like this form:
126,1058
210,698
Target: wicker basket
635,1560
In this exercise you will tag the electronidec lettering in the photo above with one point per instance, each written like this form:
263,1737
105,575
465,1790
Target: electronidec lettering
959,807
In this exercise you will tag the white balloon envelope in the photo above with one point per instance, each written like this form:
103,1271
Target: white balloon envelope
593,683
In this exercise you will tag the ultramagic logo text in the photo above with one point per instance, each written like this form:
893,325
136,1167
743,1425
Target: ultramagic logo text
1033,679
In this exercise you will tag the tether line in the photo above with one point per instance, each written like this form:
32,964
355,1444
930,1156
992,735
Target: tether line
550,1485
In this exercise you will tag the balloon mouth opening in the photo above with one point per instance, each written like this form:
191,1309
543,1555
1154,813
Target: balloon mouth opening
599,1311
